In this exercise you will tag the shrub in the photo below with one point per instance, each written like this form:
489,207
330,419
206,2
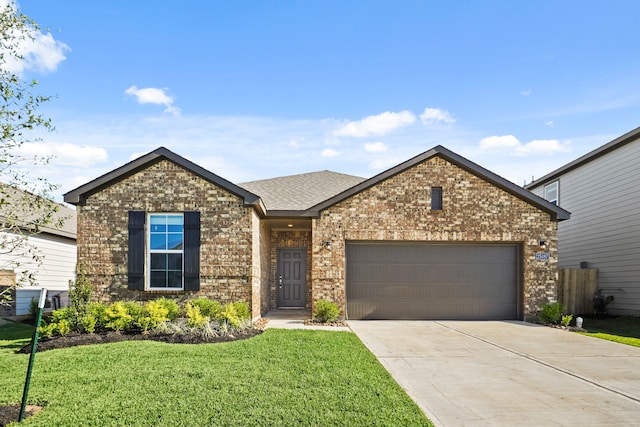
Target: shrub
195,318
229,315
88,323
209,308
80,292
242,308
99,311
326,311
118,317
154,313
173,309
566,320
552,313
33,308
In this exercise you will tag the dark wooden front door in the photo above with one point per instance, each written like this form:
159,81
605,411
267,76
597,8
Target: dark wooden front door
291,277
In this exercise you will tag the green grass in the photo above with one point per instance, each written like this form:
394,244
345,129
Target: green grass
282,377
625,330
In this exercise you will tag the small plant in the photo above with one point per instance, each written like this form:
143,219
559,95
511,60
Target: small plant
118,316
153,314
600,302
80,292
33,308
566,320
195,318
552,313
173,309
229,316
209,308
326,311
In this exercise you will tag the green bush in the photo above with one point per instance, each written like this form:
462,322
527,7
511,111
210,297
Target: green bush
118,317
229,315
195,318
242,308
209,308
80,292
566,320
173,309
154,313
326,311
88,323
552,313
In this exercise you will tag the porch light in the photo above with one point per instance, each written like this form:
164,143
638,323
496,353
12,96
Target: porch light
326,244
543,244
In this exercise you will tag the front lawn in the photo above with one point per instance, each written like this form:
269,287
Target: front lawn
622,329
281,377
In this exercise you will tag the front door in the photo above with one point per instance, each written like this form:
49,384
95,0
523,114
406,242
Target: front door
291,277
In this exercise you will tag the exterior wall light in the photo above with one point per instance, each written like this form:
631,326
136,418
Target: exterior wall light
326,244
543,244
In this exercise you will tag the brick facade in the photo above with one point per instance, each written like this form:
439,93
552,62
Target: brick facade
399,208
226,233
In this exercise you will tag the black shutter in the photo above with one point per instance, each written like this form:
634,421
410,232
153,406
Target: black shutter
136,250
192,251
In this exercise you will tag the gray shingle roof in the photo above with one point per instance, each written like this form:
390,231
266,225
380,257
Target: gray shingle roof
300,192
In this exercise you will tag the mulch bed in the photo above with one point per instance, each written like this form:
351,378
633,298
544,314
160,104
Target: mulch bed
11,413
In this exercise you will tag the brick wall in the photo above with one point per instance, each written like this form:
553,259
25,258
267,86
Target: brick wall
226,233
399,208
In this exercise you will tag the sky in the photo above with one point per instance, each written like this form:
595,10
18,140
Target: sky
257,89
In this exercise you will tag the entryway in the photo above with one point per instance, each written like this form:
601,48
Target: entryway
291,277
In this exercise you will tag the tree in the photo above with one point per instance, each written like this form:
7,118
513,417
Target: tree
25,206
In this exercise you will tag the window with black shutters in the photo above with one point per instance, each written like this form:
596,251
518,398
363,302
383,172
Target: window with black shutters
164,251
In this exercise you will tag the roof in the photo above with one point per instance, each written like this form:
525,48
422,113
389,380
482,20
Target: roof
300,192
25,205
557,213
581,161
78,196
306,195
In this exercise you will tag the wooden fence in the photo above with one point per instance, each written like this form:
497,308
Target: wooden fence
576,287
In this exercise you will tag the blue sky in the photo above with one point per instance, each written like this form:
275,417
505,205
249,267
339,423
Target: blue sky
257,89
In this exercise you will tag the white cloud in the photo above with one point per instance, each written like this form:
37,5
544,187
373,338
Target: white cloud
384,163
510,145
550,123
329,152
432,116
526,92
505,141
40,52
375,147
377,125
153,95
65,154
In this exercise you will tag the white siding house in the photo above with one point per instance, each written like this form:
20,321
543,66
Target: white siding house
602,192
56,248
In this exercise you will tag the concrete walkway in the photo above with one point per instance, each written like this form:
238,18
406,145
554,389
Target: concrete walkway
508,373
294,319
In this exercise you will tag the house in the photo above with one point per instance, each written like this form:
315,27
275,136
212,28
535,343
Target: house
53,246
435,237
600,189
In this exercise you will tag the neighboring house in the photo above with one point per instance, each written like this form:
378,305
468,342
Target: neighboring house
600,189
56,249
435,237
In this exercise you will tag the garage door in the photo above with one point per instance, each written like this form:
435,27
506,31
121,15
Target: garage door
432,281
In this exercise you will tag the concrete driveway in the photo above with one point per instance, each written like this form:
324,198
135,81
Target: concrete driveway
508,373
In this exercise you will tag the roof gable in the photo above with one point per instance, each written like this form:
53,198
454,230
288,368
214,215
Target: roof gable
79,195
598,152
556,212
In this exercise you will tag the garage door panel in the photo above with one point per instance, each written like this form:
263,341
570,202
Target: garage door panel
427,281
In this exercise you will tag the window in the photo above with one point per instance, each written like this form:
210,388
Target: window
164,251
436,198
551,192
166,243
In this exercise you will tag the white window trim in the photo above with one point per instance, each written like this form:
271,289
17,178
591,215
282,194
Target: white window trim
149,251
555,185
